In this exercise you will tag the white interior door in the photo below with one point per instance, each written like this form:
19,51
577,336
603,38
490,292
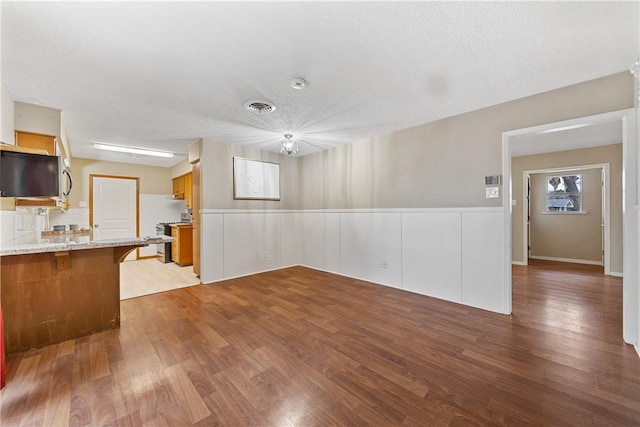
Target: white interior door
114,208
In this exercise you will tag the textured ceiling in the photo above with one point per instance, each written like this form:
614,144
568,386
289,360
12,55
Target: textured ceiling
162,74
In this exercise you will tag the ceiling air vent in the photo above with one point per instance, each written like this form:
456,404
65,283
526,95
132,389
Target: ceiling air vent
259,107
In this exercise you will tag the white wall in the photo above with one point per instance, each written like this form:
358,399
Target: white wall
181,168
370,246
155,208
6,116
311,238
452,254
7,226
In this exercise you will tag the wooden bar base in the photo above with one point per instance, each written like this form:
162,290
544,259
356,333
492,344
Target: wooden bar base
51,297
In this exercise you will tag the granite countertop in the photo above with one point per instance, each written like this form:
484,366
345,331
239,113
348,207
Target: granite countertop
34,242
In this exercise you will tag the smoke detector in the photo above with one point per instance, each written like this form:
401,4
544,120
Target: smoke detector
298,83
260,107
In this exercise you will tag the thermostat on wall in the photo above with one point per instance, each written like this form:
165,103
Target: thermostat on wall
493,180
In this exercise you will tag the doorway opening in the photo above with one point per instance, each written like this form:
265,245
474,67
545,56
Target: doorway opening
593,234
531,140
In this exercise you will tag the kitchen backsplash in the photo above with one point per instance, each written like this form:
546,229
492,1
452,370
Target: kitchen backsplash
154,208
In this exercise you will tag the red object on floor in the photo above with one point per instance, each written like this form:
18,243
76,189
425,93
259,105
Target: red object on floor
3,372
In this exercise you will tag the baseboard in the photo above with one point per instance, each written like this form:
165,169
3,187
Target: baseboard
353,277
518,263
574,261
147,257
248,274
616,274
637,349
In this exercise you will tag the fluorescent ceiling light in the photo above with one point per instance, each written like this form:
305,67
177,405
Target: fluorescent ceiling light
132,150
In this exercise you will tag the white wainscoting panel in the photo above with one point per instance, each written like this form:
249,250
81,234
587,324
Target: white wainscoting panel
251,243
211,248
431,254
451,254
290,238
366,240
483,260
319,234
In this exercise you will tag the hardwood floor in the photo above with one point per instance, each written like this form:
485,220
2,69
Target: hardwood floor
298,347
149,276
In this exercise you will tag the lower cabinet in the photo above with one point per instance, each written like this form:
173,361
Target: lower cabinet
182,246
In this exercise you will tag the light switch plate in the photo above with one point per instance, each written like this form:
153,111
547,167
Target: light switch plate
82,204
492,192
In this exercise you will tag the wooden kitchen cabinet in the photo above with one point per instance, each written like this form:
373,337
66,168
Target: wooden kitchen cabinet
182,189
182,246
178,187
36,141
188,199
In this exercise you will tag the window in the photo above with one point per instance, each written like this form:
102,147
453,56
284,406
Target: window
564,193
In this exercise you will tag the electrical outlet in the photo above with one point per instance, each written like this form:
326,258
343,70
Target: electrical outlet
266,254
383,263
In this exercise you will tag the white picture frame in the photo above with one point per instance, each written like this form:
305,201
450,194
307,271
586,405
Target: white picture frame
255,180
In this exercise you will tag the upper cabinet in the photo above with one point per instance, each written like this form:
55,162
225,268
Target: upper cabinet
188,200
182,189
36,141
178,187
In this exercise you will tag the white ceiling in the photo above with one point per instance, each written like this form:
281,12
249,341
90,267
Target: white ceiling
162,74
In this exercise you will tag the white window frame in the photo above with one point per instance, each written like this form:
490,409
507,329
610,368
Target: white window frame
581,211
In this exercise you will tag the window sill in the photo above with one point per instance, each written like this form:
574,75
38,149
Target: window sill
565,213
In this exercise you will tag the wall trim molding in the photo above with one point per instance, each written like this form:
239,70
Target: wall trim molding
574,261
616,274
211,282
518,263
380,210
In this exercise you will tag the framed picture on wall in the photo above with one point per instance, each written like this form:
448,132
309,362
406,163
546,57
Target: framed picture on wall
255,180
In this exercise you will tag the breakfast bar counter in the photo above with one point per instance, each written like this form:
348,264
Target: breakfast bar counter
61,287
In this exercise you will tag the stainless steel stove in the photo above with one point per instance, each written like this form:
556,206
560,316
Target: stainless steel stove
164,229
164,249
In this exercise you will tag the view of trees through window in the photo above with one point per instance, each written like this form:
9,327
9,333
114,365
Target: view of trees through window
564,193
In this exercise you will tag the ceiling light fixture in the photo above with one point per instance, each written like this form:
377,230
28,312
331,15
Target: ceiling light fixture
298,83
288,145
132,150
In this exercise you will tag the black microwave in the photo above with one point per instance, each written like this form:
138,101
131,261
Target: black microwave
33,175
